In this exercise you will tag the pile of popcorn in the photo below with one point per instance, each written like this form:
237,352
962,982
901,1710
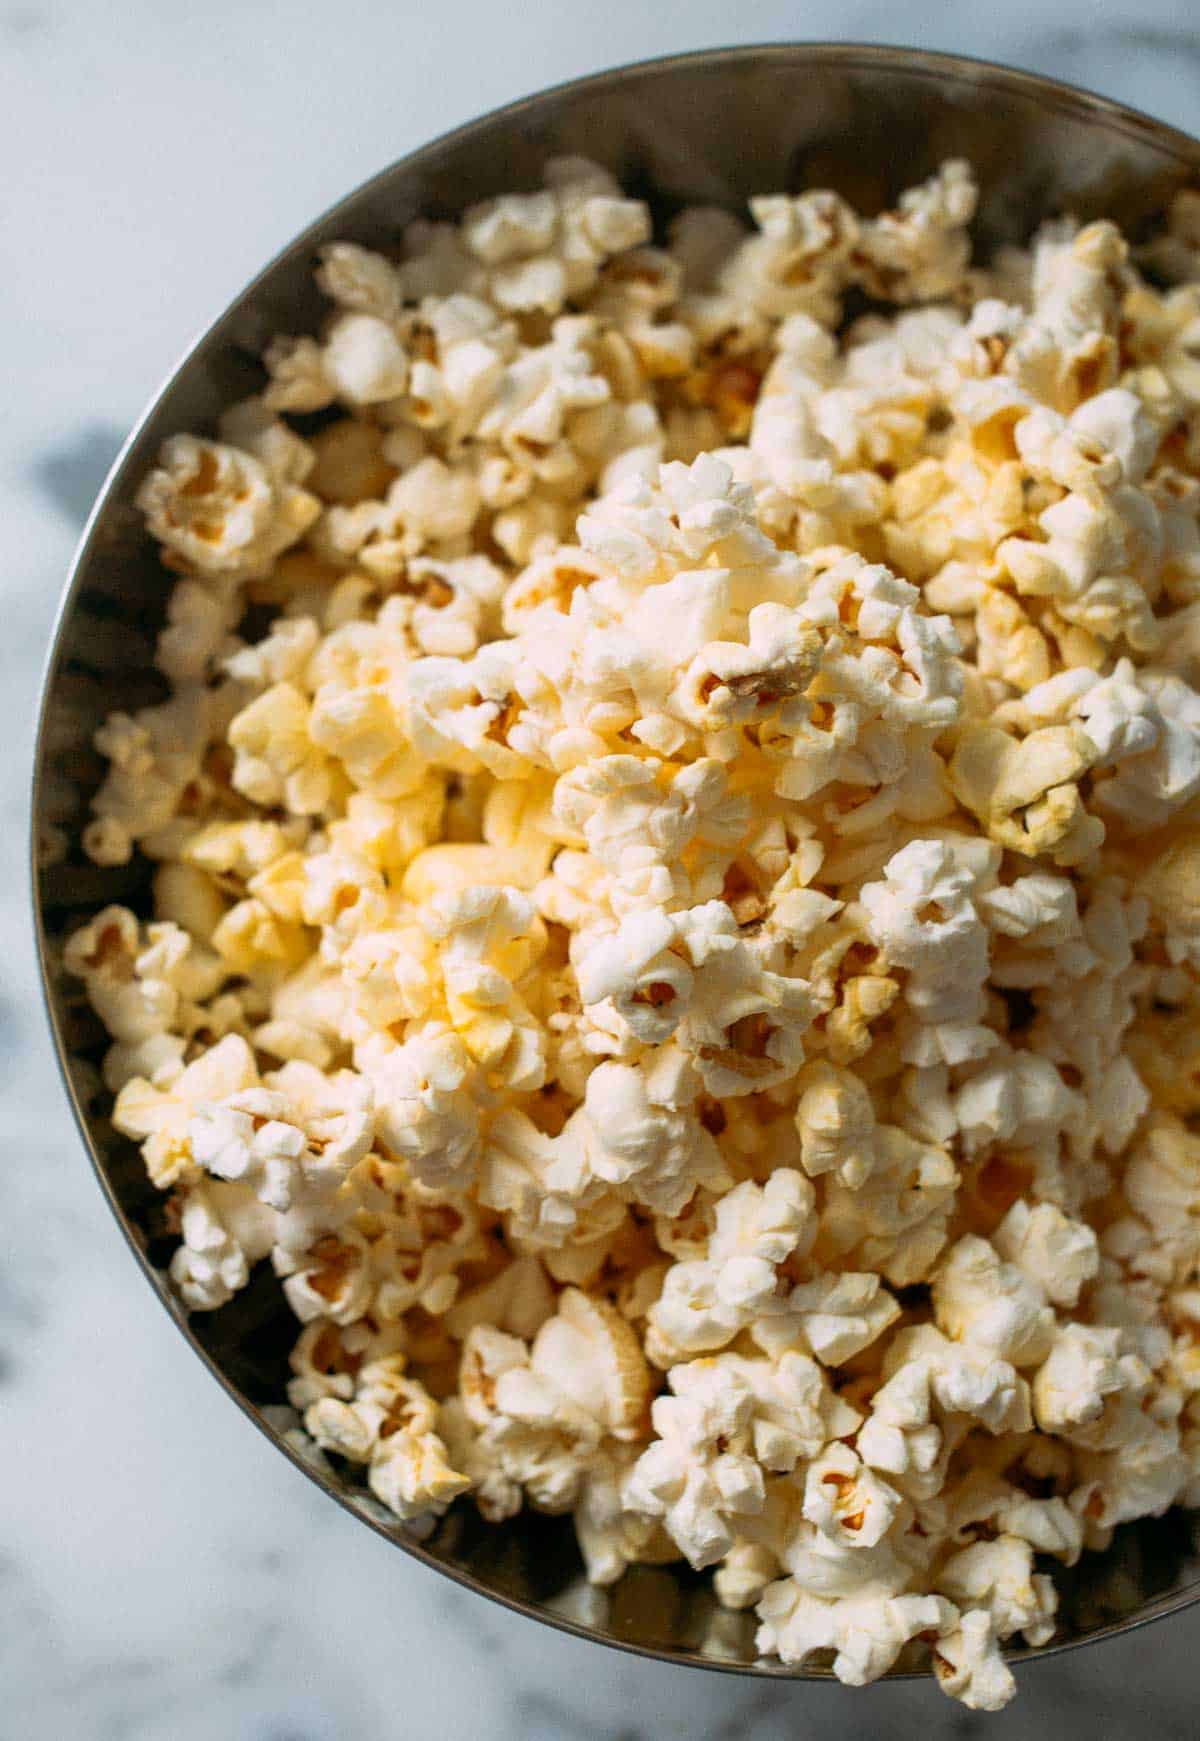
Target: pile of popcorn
676,908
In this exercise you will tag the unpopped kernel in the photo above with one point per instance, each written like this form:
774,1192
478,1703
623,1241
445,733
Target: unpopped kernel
676,933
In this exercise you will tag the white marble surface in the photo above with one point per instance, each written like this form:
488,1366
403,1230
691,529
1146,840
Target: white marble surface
164,1576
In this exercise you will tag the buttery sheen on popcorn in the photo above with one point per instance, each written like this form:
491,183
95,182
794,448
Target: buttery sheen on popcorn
676,933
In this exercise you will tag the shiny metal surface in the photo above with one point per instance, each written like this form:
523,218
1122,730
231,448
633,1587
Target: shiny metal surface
716,127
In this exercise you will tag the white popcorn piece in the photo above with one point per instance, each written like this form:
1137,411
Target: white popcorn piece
541,1414
866,1631
969,1667
1026,793
730,683
159,1118
727,1421
706,1301
836,1122
225,1230
278,760
742,1024
356,278
991,1305
998,1577
156,759
1016,1098
1082,1369
834,1316
298,381
982,1498
1066,351
220,511
660,1155
924,919
325,1359
798,262
648,982
546,1189
612,1537
488,938
928,1378
895,1222
389,1422
295,1143
364,360
846,1500
1148,732
1058,1255
539,249
426,1114
518,1300
921,249
139,983
744,1574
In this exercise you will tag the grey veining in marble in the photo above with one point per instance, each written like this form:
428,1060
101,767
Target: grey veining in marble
164,1576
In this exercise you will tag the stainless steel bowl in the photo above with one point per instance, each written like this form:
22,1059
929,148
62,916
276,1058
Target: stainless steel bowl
715,126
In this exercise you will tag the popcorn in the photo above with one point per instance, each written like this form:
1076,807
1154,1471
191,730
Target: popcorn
546,1189
993,1306
1048,1525
224,1231
1081,1370
672,851
921,250
357,278
219,511
140,983
543,248
519,1299
894,1223
363,360
729,683
1067,351
846,1500
431,507
968,1665
659,1154
489,938
1057,1255
836,1122
390,1423
537,1417
1026,793
727,1420
867,1631
706,1301
156,759
797,260
924,920
159,1117
835,1316
295,1141
422,1244
928,1378
278,761
1152,750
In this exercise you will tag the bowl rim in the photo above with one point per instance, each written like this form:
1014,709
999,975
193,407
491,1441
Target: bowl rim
930,64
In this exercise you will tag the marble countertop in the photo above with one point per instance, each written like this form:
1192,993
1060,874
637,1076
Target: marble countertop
164,1576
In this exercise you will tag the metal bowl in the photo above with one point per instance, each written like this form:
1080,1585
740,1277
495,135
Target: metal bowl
715,127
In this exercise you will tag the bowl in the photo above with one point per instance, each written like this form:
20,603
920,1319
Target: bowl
713,127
